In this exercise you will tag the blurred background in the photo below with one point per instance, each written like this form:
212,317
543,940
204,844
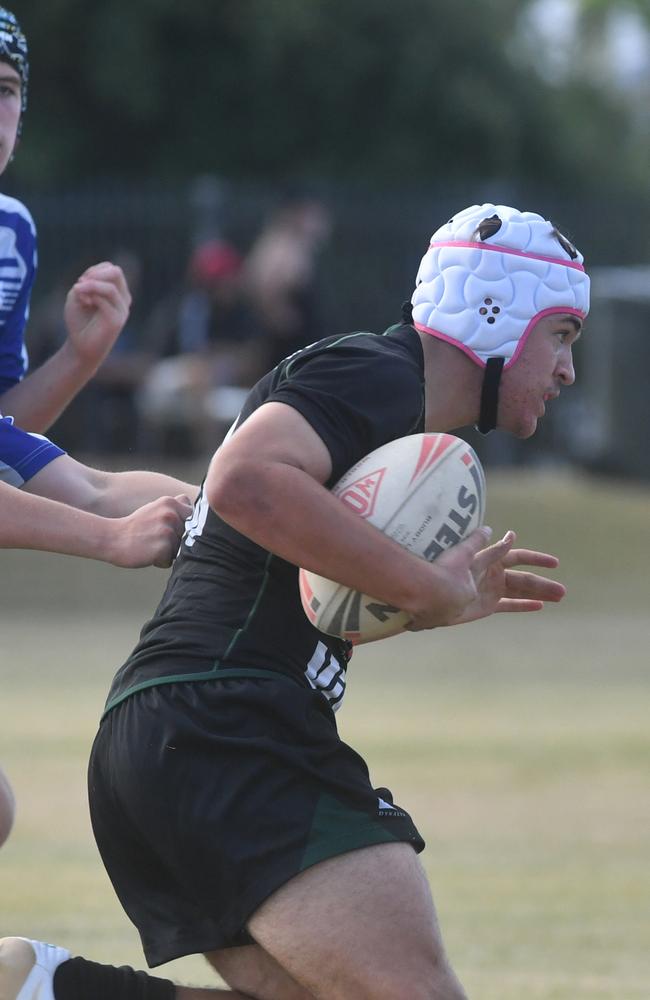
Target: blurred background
270,172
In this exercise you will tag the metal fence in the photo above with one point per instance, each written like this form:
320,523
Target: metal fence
367,270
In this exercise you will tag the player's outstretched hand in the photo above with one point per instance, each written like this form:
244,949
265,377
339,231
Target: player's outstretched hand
474,580
453,580
150,535
96,309
502,587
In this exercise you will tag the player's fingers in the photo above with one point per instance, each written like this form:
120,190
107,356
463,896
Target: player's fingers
103,288
530,557
105,270
102,305
509,605
92,270
99,266
110,285
183,507
169,545
176,509
476,541
519,584
486,557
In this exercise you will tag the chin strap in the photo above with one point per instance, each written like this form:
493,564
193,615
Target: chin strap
487,420
407,313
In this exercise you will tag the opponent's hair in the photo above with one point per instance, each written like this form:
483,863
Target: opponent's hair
13,49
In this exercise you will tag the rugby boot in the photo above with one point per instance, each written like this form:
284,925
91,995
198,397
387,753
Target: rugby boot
27,968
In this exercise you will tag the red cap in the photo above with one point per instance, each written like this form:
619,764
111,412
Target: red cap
214,260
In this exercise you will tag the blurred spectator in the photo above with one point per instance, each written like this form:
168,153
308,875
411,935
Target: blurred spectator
210,352
281,275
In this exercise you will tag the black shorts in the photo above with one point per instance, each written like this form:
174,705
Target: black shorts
206,797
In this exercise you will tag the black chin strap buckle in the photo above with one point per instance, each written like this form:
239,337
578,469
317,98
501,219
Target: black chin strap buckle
487,420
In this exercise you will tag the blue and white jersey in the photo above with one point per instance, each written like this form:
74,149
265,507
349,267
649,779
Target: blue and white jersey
17,270
22,455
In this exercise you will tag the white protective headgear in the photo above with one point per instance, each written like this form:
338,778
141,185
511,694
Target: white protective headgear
485,295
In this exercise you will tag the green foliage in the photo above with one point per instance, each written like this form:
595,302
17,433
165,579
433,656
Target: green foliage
344,89
599,8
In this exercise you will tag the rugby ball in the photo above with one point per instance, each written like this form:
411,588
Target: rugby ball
426,492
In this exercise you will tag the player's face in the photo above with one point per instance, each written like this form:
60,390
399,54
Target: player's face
542,370
10,107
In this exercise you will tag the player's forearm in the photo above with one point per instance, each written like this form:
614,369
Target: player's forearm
120,493
37,401
33,522
108,494
286,511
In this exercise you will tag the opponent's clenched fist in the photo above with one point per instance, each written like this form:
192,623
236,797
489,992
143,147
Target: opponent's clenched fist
96,309
150,536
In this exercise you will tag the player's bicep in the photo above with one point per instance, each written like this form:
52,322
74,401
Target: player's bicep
277,432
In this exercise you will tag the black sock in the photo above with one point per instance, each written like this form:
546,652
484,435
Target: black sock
79,979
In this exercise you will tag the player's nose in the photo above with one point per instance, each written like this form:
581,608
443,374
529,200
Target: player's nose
565,369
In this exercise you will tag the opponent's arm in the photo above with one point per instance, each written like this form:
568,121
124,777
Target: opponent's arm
266,481
149,536
110,494
96,309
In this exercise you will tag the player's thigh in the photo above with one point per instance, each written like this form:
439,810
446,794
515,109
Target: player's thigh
360,926
252,971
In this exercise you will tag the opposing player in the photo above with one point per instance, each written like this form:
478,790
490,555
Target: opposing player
231,818
94,312
129,519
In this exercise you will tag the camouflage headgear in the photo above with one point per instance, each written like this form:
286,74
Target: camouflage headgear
13,49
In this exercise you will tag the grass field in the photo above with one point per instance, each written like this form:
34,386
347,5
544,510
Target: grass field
520,745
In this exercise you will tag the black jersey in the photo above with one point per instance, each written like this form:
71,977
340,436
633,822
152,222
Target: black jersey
230,606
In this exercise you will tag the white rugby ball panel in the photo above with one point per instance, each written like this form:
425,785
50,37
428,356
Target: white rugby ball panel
426,492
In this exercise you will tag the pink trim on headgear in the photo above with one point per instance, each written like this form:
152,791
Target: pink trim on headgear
553,311
501,249
450,340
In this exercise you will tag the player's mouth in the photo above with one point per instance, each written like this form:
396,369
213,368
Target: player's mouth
545,399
